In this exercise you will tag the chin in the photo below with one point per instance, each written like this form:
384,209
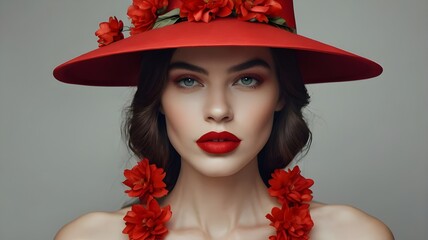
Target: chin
219,166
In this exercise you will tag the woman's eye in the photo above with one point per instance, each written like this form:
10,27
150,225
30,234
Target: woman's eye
187,82
247,82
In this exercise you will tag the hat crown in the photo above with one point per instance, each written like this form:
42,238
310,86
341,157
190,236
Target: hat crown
287,12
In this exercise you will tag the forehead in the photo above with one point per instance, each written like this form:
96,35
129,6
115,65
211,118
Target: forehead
222,55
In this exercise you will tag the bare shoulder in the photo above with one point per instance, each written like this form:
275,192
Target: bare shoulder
94,226
346,222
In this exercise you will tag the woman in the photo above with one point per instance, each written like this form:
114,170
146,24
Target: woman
219,109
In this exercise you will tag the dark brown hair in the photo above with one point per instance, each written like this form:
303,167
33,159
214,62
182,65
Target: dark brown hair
145,127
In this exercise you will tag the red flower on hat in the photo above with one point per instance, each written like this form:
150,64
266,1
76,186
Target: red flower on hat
205,10
257,9
145,181
143,14
109,32
147,223
293,223
290,186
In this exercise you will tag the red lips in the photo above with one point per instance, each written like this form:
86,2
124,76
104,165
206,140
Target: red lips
218,143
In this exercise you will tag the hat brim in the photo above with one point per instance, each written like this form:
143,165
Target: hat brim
118,64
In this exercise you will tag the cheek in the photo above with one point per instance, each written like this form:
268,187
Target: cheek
255,114
181,115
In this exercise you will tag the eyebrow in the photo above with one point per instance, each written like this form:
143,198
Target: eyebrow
248,64
187,66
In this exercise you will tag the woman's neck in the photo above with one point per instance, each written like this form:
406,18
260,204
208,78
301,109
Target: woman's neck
219,205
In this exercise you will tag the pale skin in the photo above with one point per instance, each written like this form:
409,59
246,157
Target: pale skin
222,197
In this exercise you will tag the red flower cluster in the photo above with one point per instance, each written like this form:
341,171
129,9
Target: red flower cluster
293,220
147,223
109,32
205,10
145,180
247,10
290,186
257,9
291,223
143,14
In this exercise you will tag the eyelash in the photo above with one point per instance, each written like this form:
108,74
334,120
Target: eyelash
180,81
255,79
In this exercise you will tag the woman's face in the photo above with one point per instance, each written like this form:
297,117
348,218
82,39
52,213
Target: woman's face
219,104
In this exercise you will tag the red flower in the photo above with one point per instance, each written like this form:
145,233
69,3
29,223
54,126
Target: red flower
290,186
205,10
143,14
109,32
147,223
293,223
145,180
257,9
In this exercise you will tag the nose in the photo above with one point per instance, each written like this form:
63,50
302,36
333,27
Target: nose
217,106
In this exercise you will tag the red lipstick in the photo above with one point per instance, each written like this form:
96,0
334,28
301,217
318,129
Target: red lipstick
218,143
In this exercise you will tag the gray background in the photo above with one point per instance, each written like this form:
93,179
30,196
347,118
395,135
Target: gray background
61,152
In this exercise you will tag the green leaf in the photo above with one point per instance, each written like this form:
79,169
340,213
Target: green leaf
172,13
168,18
281,23
278,21
165,22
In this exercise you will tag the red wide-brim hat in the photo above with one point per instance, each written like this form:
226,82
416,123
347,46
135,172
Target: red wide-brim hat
119,63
